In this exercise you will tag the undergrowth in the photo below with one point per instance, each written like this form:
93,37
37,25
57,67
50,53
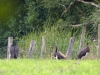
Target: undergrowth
54,36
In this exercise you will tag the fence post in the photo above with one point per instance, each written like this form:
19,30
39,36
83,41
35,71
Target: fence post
82,38
69,51
43,46
98,51
31,48
10,42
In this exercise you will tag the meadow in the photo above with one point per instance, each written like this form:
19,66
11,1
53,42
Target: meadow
49,67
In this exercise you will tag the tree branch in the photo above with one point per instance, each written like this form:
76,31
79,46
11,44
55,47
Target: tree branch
81,24
79,10
91,3
66,10
63,6
78,25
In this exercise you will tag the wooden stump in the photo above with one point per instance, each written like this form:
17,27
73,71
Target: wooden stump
31,48
70,50
43,46
82,38
10,42
98,51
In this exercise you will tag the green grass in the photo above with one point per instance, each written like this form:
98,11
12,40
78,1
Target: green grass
49,67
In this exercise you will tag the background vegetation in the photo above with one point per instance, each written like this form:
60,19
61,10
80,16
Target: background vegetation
28,20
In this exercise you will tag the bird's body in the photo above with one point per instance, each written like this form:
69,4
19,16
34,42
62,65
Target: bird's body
58,55
84,51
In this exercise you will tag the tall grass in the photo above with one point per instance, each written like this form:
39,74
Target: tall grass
55,35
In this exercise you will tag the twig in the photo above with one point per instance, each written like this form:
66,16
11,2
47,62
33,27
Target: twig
79,10
66,10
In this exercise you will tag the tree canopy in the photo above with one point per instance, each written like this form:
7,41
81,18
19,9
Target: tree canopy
19,17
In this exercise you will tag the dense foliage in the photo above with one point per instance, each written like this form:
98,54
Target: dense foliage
32,15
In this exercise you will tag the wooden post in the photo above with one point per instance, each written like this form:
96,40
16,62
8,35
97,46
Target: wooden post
98,51
69,51
43,46
31,48
82,38
10,42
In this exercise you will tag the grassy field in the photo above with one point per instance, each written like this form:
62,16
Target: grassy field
49,67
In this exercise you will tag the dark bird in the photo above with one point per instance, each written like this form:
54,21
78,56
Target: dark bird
84,51
58,55
14,51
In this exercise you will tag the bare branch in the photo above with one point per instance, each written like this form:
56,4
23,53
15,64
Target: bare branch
81,24
63,6
77,25
91,3
66,10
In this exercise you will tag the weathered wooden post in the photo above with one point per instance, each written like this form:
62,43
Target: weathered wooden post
82,38
70,50
10,42
43,46
98,51
31,48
